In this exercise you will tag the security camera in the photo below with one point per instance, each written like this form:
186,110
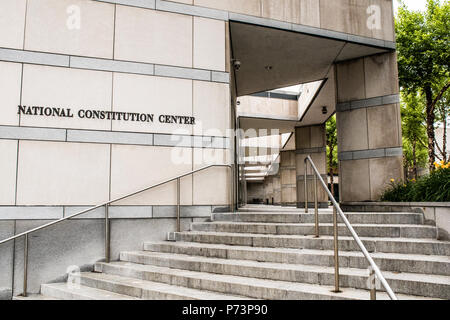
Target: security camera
236,64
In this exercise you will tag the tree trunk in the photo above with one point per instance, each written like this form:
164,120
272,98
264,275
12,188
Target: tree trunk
430,126
444,138
405,168
414,159
330,166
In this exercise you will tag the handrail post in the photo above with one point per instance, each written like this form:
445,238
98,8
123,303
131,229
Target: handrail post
316,208
306,185
336,251
373,284
25,265
178,206
107,235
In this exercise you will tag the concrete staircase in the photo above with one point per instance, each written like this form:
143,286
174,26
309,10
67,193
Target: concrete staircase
271,253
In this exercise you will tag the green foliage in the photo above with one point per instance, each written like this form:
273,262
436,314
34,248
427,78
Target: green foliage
423,45
443,105
399,192
413,119
332,143
423,41
434,187
334,163
414,131
408,156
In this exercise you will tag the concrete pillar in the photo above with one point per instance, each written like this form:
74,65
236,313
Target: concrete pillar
268,189
277,189
311,141
287,178
369,126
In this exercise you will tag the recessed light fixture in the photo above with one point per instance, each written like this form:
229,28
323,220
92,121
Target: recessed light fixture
236,64
268,68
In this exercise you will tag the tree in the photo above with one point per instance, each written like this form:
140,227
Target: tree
414,133
332,161
442,115
423,57
420,157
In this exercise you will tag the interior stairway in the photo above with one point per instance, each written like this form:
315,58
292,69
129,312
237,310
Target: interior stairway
271,253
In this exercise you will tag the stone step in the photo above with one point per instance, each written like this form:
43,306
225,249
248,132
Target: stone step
324,217
439,265
147,290
363,230
269,208
64,291
373,244
238,285
33,297
434,286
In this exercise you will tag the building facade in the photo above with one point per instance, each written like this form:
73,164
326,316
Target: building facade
99,99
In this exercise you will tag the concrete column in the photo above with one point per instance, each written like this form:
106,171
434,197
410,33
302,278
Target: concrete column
287,178
369,126
311,141
268,189
277,189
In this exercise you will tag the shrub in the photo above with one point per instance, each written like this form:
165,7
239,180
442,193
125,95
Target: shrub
434,187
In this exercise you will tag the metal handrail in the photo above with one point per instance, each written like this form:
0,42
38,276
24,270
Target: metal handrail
336,208
106,205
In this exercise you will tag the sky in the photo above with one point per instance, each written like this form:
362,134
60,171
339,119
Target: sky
412,4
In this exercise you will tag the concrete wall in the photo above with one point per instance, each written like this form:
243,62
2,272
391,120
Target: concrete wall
114,56
369,127
79,243
348,16
86,161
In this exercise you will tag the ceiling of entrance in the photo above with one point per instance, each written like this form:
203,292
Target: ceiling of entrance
272,58
312,112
